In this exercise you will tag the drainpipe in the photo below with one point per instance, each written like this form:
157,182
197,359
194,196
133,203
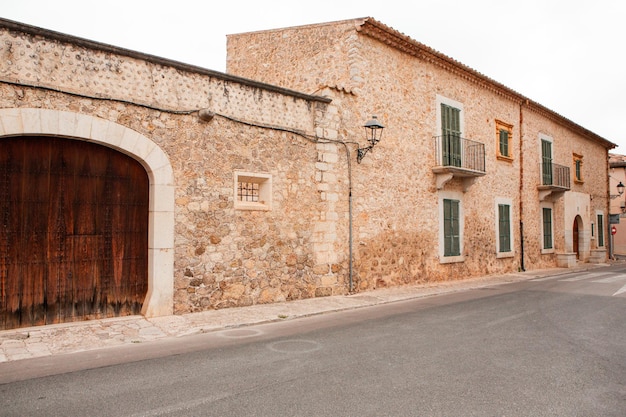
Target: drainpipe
350,233
521,184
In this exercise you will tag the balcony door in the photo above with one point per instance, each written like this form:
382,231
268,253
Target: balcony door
451,135
546,161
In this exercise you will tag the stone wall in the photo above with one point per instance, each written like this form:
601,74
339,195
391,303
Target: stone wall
323,205
396,201
584,198
223,256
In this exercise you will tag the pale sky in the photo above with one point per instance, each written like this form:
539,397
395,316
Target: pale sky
567,55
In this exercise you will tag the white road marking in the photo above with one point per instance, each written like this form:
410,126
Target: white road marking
599,277
587,276
615,278
620,291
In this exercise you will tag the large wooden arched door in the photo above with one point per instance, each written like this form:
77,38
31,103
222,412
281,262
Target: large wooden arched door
576,236
73,232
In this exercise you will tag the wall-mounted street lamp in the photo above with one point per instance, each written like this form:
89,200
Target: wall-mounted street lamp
620,192
373,133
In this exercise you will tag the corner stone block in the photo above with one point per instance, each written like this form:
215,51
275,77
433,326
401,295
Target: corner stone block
163,175
115,133
83,126
31,121
157,159
99,129
143,146
49,121
322,166
566,260
160,298
128,140
161,229
11,120
162,197
330,158
68,124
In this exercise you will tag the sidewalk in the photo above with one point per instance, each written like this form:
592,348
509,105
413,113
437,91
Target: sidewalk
32,342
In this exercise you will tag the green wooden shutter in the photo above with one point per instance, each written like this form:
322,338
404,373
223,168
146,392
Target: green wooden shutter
547,228
451,226
451,135
504,221
546,161
504,142
600,230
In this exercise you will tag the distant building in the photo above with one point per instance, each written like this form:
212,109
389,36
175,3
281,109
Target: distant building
134,184
617,175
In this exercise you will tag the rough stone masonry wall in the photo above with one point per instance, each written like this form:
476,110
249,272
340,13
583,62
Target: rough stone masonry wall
223,257
405,230
565,143
396,205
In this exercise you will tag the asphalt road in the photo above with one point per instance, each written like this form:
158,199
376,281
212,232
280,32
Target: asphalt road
545,347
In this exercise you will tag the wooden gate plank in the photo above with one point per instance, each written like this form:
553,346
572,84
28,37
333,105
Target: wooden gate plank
74,219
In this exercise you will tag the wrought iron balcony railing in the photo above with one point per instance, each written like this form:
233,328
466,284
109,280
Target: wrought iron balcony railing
457,152
555,176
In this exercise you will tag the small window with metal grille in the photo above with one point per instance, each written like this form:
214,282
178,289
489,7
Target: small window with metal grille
253,191
248,191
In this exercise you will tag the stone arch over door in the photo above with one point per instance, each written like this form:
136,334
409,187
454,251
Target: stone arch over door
45,122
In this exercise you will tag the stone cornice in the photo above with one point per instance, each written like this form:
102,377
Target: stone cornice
383,33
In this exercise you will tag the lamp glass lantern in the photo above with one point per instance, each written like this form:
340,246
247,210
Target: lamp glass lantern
373,134
373,130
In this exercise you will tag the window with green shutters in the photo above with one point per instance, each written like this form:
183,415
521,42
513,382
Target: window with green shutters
504,135
547,228
451,226
451,135
504,143
504,227
600,230
578,168
546,161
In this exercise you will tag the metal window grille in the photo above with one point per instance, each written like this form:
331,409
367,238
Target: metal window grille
248,191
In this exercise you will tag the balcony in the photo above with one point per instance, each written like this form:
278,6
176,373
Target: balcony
460,158
555,180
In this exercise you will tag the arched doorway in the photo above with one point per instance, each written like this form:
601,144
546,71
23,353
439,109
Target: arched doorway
74,242
576,236
55,123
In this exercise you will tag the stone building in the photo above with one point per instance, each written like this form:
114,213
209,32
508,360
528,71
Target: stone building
131,183
617,179
470,178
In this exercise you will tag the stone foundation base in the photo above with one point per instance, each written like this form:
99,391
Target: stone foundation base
597,256
566,260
